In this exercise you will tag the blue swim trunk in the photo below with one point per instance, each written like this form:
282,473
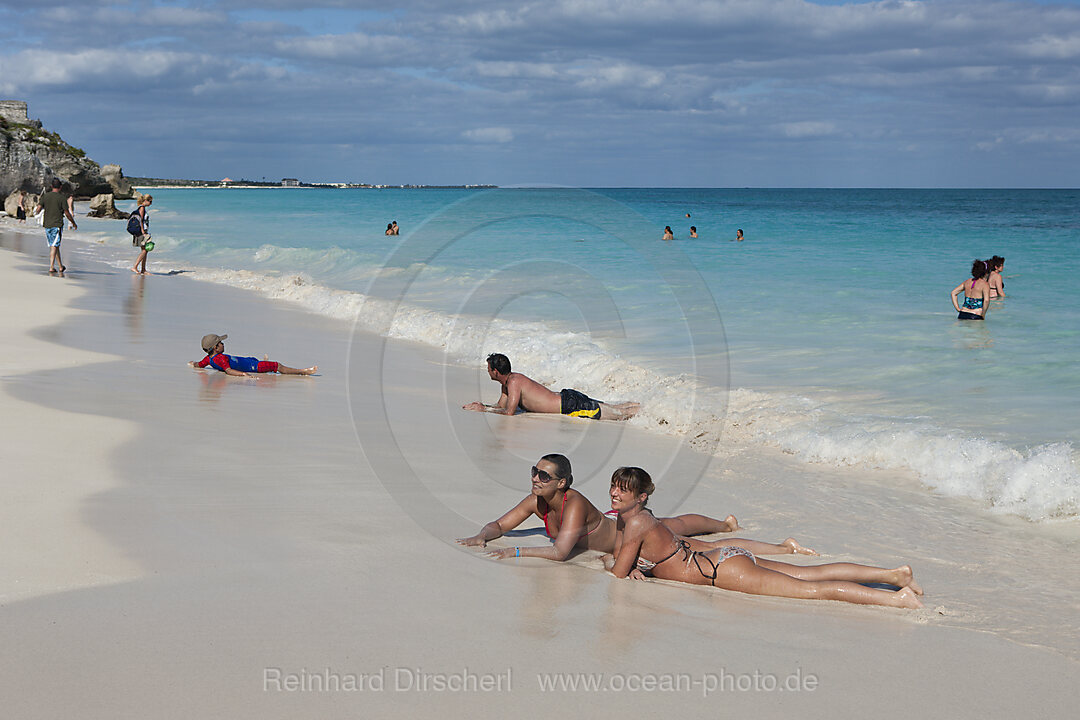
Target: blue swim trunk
53,236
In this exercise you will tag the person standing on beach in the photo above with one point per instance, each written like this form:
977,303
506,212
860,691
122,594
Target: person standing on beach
20,212
71,207
521,391
55,207
143,237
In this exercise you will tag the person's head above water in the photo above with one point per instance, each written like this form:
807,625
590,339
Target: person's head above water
633,480
979,270
996,263
499,363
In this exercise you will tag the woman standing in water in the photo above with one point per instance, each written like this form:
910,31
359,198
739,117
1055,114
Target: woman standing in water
572,521
976,293
644,545
997,285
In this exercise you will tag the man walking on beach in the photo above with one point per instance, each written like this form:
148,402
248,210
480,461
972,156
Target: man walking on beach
524,392
56,207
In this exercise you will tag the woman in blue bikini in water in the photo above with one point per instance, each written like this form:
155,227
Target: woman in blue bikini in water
570,520
644,545
976,293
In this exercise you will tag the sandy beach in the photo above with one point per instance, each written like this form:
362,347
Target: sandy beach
177,543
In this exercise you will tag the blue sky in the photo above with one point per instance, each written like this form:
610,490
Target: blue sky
717,93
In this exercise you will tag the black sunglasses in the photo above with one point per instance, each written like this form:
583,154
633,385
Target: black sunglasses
544,477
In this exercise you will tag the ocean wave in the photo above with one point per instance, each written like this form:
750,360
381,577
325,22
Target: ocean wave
1040,484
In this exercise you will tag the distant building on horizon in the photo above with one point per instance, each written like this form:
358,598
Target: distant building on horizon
290,182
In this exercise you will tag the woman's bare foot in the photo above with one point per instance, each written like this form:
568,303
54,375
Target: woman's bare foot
135,270
906,578
906,598
733,524
797,549
310,371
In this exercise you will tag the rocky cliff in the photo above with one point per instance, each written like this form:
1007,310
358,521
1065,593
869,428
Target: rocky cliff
31,156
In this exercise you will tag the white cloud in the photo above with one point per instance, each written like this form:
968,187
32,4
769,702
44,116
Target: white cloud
350,47
618,75
503,69
489,135
57,67
807,129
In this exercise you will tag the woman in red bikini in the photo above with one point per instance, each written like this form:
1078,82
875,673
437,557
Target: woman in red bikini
571,521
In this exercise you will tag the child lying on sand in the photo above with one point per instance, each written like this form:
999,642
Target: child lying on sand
214,347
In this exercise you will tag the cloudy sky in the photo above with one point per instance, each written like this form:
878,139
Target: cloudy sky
705,93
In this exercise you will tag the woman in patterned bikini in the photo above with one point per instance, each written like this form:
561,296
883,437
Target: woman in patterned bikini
644,545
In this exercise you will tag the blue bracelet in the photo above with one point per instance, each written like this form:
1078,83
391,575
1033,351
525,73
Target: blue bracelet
518,550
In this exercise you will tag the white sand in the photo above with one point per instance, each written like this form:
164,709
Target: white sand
190,536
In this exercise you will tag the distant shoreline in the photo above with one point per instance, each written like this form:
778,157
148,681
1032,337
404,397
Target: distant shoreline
161,184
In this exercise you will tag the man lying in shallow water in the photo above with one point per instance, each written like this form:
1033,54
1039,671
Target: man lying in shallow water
519,391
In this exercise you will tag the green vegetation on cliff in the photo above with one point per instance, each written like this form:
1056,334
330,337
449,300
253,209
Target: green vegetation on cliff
32,134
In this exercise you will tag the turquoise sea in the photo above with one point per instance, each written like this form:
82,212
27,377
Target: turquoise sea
828,333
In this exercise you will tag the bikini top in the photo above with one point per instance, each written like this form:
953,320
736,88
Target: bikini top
972,303
647,565
548,531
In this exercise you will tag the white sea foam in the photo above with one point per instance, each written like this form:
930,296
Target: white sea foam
1039,484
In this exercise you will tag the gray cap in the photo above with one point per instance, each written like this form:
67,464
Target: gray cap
209,342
